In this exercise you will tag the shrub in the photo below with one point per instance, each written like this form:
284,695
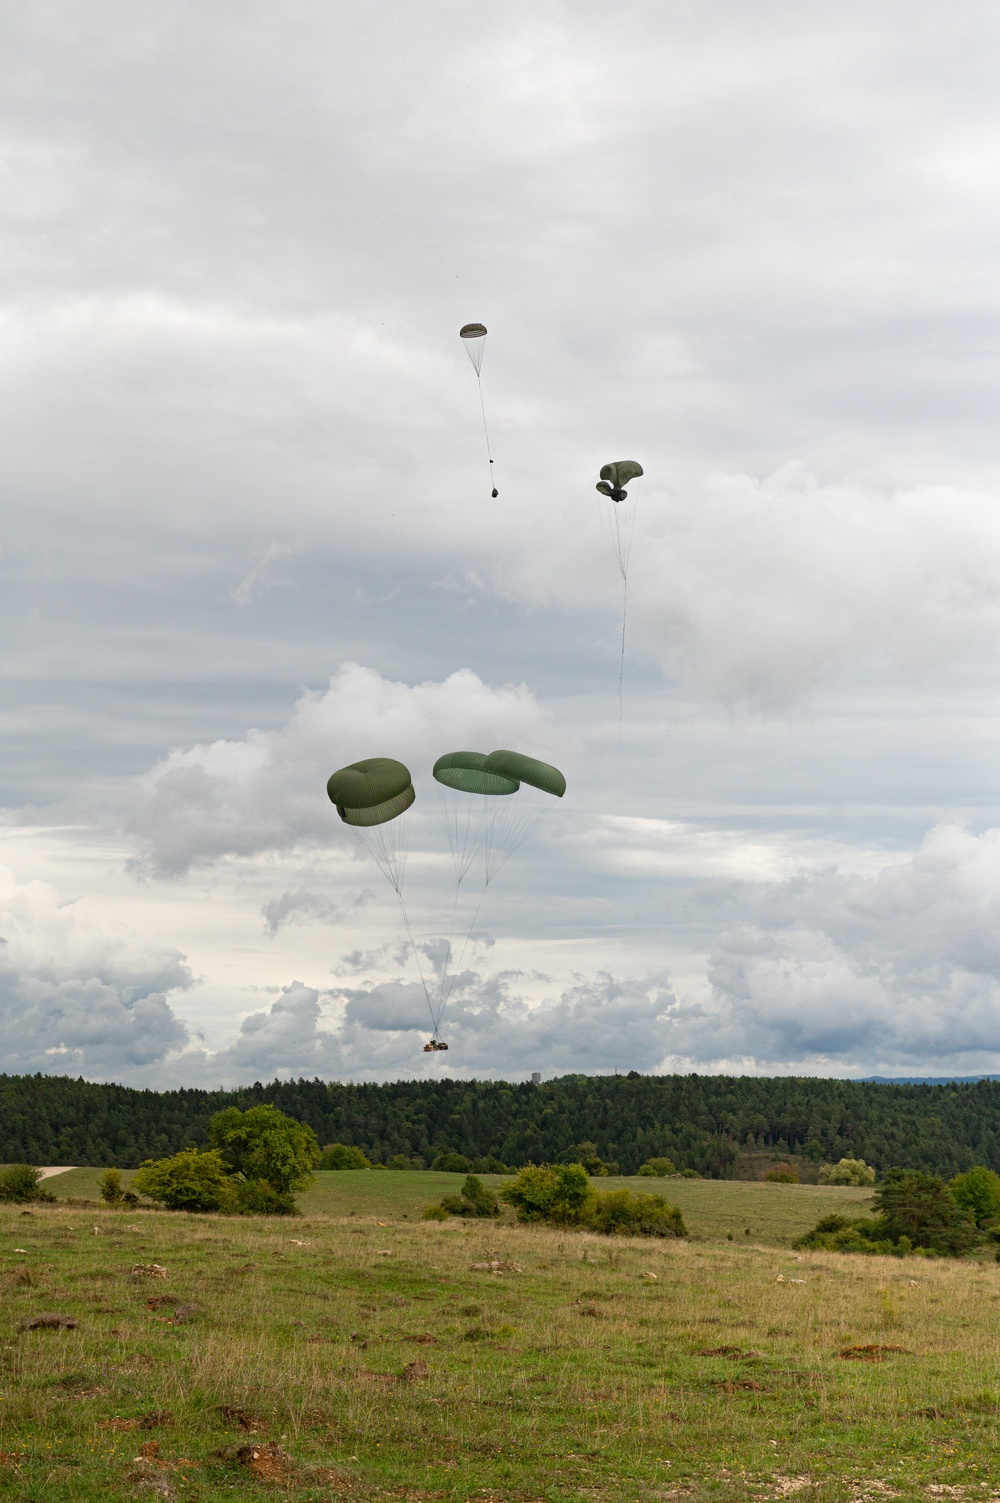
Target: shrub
658,1168
475,1200
977,1193
690,1174
780,1174
847,1172
111,1188
451,1163
560,1195
489,1166
400,1161
189,1181
436,1213
864,1234
922,1208
342,1156
623,1213
255,1197
21,1183
263,1143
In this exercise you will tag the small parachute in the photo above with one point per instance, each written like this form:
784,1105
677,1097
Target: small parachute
621,527
614,478
473,336
488,826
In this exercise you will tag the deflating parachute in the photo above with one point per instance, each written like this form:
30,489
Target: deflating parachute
473,336
621,528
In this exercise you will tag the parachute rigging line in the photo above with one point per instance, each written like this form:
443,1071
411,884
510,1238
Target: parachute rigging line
473,337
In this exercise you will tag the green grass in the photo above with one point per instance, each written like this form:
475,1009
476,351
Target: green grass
712,1209
574,1378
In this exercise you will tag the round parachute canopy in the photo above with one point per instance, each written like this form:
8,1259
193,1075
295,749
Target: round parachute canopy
378,814
615,477
467,772
510,764
475,342
371,792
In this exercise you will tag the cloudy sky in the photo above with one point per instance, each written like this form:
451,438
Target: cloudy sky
248,536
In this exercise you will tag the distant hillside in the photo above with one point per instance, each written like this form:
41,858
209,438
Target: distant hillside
708,1123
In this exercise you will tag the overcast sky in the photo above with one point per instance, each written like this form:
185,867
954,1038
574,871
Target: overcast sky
248,535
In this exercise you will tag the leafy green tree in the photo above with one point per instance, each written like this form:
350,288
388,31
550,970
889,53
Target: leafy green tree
451,1163
922,1208
111,1187
342,1156
977,1192
262,1143
489,1165
22,1182
620,1212
658,1168
847,1172
560,1195
188,1181
587,1155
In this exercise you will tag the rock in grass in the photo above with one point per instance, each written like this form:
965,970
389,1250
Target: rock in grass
49,1322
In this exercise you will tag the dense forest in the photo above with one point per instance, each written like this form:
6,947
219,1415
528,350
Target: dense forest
702,1122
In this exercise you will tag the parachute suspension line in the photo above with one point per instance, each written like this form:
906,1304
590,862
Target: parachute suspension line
486,431
416,956
505,828
386,844
464,827
621,538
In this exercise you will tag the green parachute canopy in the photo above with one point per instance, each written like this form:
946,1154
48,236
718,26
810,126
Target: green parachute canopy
467,773
510,764
371,792
615,477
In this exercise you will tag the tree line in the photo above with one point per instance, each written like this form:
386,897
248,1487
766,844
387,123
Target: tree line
702,1123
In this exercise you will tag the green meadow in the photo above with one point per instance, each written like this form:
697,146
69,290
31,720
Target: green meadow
358,1352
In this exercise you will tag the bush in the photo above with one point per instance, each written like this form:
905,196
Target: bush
22,1182
400,1161
342,1156
864,1234
489,1166
623,1213
560,1195
922,1208
255,1197
451,1163
847,1172
780,1174
977,1193
690,1174
658,1168
475,1200
189,1181
111,1188
436,1213
918,1214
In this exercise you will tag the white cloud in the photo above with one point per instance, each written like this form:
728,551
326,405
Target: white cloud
77,997
267,792
862,973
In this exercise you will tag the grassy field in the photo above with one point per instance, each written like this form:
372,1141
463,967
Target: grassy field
713,1209
331,1357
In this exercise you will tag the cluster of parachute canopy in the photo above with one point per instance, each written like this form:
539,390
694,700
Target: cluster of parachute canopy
485,820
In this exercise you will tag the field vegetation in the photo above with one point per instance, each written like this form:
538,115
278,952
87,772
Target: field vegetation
370,1354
